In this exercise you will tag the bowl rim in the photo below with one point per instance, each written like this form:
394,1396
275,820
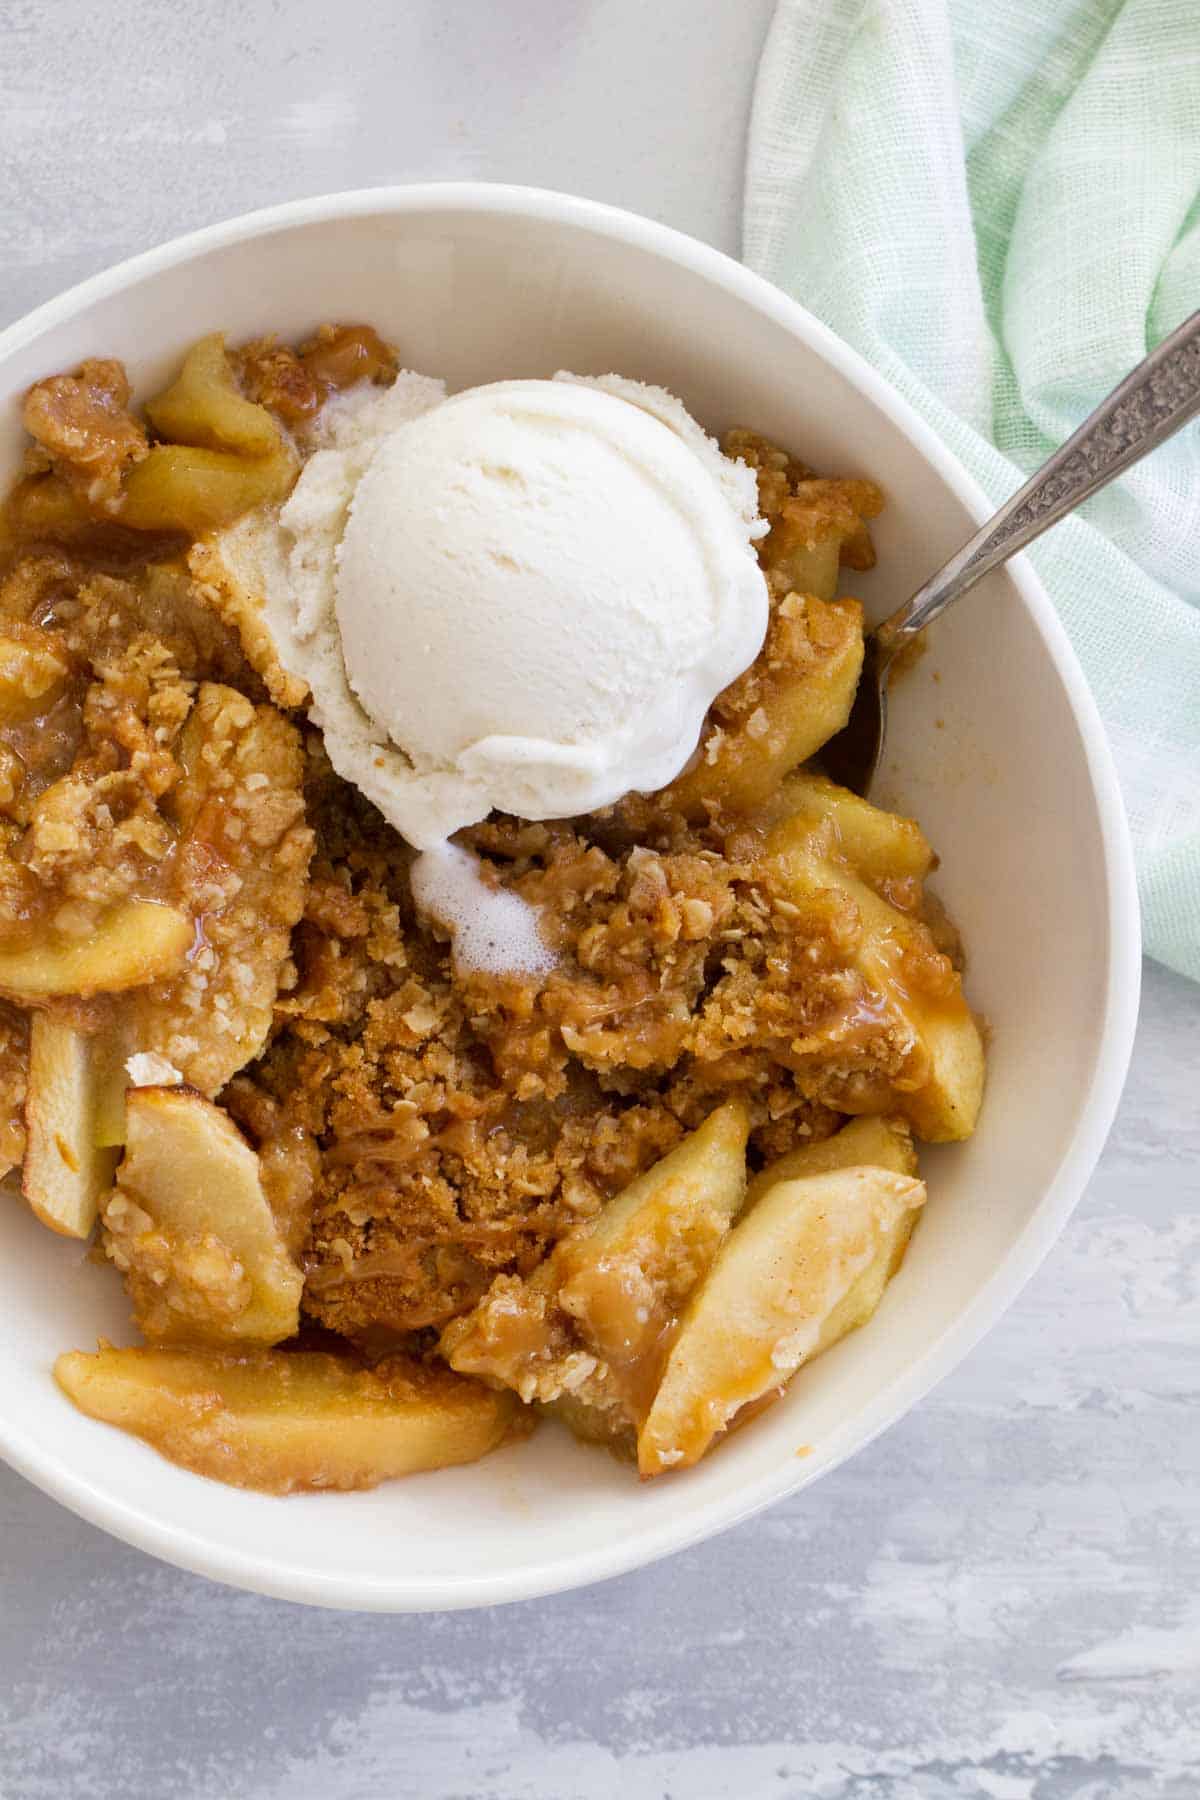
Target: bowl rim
190,1550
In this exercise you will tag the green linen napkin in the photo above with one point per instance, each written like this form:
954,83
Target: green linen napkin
998,203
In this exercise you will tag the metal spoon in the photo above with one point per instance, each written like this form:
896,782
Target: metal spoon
1149,406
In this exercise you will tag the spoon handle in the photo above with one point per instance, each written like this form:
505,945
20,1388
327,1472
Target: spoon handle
1149,406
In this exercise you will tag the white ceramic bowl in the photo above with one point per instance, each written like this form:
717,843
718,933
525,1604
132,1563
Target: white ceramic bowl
1002,759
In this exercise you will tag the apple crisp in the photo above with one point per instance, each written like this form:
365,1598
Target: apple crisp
211,960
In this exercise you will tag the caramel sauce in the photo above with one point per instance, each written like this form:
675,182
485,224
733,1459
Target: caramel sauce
342,355
45,744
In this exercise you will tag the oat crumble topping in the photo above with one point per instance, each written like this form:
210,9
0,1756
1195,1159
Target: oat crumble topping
423,1137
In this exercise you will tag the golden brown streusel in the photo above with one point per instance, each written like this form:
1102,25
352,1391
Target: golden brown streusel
83,429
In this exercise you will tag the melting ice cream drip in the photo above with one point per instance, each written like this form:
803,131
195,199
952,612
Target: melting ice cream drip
493,931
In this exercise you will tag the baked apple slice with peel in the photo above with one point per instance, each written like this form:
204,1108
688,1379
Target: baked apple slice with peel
136,942
191,1229
291,1421
587,1330
65,1171
770,1303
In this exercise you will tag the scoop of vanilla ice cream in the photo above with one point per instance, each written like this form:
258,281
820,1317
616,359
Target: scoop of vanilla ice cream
524,597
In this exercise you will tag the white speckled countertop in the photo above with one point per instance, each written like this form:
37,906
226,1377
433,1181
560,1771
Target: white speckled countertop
1000,1599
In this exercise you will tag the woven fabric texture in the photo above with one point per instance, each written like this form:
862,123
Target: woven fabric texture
998,203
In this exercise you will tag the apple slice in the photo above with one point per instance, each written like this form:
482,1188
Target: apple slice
895,954
587,1329
228,454
138,941
803,697
880,846
191,1228
239,810
873,1141
290,1421
821,520
14,1083
65,1172
766,1304
624,1277
204,405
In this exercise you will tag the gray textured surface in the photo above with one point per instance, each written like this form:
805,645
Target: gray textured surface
1000,1600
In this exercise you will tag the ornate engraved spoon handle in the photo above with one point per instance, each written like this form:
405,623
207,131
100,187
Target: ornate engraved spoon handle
1152,402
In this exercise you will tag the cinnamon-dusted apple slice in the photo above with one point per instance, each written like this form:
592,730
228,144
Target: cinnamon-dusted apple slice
190,1227
65,1172
768,1303
136,942
285,1421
